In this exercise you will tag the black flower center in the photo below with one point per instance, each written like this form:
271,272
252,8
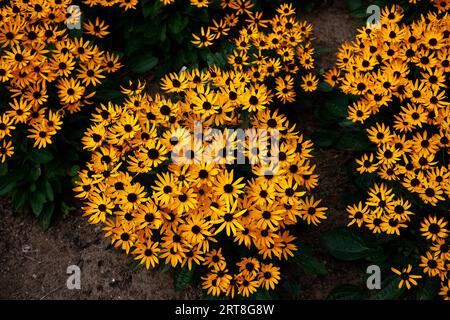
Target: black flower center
434,228
195,229
153,154
253,100
132,197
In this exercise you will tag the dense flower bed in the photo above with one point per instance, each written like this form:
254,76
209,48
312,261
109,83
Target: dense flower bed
400,74
45,72
167,195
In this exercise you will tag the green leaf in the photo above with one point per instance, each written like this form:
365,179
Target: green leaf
359,13
48,190
73,171
347,124
323,139
208,297
19,198
353,141
347,292
10,181
164,267
6,186
324,87
428,290
147,9
35,173
182,277
353,4
143,63
177,23
66,209
163,34
132,45
40,156
262,294
3,169
151,9
312,265
309,263
377,255
293,288
46,215
346,244
37,200
135,265
216,59
334,111
389,289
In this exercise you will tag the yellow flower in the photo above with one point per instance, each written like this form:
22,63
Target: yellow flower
406,278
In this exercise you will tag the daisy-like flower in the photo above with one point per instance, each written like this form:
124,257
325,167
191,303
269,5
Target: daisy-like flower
433,228
311,212
406,278
181,212
204,39
310,82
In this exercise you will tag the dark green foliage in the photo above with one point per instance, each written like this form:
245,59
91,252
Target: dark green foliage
39,180
156,38
182,278
305,258
358,8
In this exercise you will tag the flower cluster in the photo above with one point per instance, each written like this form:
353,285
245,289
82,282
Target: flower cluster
441,5
170,193
124,4
274,50
196,3
44,71
400,72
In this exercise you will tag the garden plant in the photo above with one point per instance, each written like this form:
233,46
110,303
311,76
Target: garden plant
191,133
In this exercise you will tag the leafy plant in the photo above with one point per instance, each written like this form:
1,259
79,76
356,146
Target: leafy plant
156,38
400,206
49,74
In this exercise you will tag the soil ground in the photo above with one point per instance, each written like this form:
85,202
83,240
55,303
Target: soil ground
332,25
33,263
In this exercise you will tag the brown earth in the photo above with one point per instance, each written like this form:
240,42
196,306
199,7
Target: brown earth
333,25
33,263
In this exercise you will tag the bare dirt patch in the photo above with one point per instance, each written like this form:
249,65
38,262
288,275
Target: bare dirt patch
332,26
33,263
